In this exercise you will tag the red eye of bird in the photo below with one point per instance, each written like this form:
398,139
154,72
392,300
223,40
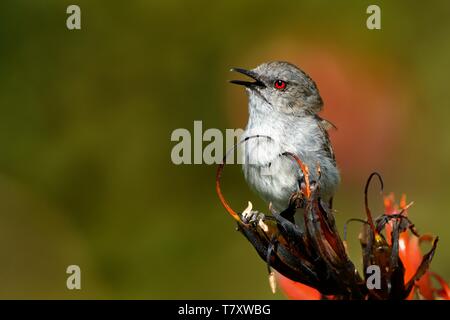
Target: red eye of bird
280,84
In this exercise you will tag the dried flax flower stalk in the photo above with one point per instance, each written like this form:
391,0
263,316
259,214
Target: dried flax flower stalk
311,262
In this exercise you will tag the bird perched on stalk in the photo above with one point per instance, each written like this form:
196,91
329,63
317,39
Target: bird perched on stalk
283,102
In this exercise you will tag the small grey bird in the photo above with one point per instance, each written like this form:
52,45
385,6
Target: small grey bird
283,105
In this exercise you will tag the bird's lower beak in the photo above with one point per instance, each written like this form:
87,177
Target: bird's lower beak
248,84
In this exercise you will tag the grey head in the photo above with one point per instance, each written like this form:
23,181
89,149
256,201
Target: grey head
283,87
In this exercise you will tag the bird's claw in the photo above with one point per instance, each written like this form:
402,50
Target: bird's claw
251,216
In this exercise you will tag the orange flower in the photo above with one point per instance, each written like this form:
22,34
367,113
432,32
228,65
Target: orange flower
296,290
411,255
444,292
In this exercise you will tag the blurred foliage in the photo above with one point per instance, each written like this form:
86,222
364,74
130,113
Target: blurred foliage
85,124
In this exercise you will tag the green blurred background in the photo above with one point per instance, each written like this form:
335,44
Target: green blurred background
86,117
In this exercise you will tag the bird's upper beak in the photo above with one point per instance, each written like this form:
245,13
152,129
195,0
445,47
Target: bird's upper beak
249,73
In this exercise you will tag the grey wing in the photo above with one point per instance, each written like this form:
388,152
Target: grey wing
324,126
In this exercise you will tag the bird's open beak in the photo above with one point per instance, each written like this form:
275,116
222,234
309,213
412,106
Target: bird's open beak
248,84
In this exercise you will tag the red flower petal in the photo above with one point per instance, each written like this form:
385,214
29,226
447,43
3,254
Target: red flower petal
296,290
444,292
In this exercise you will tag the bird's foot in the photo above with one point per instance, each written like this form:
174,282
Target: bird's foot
251,216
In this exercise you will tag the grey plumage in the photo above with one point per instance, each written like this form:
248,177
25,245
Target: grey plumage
283,104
